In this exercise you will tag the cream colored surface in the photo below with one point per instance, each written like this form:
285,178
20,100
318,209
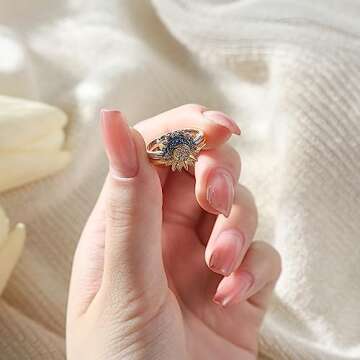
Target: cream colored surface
288,71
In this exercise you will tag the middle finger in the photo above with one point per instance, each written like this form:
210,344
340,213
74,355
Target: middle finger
210,188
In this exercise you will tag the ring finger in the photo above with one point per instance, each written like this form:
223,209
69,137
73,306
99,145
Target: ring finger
254,280
231,237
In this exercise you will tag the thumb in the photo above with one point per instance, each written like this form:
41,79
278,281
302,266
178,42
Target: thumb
133,258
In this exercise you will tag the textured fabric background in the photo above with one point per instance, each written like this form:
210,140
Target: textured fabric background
288,71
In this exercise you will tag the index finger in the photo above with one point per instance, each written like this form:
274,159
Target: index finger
216,126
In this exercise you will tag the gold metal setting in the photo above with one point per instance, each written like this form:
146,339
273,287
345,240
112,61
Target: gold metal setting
178,149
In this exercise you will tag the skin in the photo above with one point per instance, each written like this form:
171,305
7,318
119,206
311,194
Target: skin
166,267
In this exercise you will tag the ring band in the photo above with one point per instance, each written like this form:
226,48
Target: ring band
178,149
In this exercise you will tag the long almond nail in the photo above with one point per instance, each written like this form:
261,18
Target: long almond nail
223,120
227,249
220,191
119,144
235,293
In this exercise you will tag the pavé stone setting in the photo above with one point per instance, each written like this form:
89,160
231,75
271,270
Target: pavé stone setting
178,149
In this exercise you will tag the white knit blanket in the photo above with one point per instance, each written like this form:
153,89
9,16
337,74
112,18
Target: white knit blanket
287,71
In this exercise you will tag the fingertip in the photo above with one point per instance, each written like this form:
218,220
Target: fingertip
224,252
217,172
215,187
220,191
234,289
119,145
105,111
218,301
217,126
222,119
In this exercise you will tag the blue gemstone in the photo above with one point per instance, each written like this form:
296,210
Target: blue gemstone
175,139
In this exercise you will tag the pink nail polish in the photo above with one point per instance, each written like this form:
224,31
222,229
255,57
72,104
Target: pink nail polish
220,191
226,251
235,290
119,144
223,120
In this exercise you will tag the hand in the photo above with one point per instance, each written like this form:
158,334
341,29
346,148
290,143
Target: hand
166,267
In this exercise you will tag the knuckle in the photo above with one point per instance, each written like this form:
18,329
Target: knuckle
193,107
120,214
245,199
232,152
227,153
121,205
273,257
235,154
129,202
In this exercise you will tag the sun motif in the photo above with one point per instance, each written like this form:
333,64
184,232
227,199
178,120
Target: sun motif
180,150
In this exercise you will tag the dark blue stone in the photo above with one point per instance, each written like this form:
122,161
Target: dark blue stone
175,139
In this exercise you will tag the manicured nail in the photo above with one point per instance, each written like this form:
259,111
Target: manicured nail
220,191
223,120
235,291
119,144
226,251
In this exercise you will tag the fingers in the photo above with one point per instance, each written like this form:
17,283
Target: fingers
133,210
217,173
251,269
232,236
254,279
217,126
180,206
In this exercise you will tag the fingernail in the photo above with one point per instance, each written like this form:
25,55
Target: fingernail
235,291
226,252
119,144
220,191
223,120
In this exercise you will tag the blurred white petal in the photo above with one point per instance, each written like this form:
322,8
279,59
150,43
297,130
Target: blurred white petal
4,226
23,121
10,252
54,140
19,168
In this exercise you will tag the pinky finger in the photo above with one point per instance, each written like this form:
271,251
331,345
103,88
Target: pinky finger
255,278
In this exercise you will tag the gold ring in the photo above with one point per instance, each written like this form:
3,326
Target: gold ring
178,149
